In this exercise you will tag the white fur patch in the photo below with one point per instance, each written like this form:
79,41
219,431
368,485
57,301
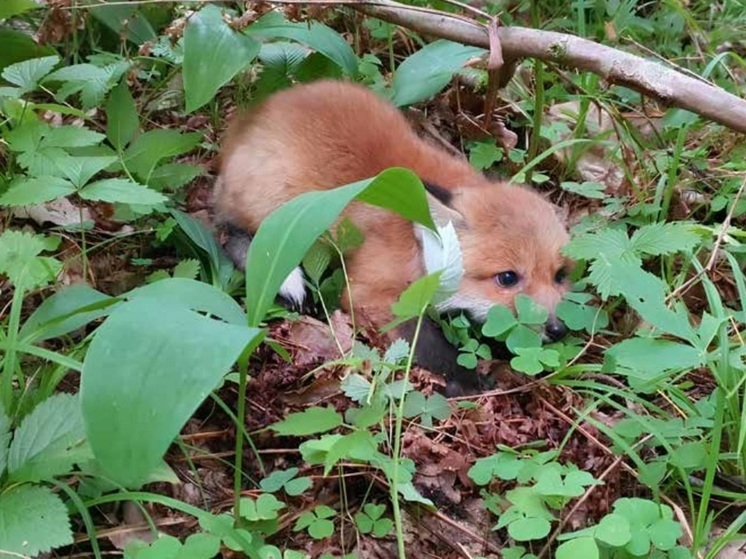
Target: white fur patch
475,307
294,287
441,252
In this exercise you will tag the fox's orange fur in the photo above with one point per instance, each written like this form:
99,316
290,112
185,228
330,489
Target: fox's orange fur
327,134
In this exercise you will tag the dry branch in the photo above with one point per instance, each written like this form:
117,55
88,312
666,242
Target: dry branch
669,86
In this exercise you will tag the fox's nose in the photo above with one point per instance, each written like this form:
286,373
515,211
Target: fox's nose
555,329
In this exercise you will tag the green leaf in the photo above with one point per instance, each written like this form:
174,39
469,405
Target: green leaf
414,300
187,269
526,529
19,46
277,479
193,295
49,440
286,234
577,314
435,406
69,137
92,82
122,191
27,74
26,192
126,21
298,486
589,189
148,149
65,311
585,547
221,268
213,54
314,35
147,370
10,8
308,422
499,321
529,311
664,238
429,70
34,521
80,169
690,456
644,360
359,446
523,337
172,176
613,530
19,260
482,155
122,121
265,507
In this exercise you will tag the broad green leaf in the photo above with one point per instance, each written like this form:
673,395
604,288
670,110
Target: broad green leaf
122,191
645,359
527,529
34,520
613,530
589,189
277,479
285,236
585,547
20,260
213,54
48,441
499,321
194,295
187,269
147,370
359,446
92,82
81,169
482,155
70,137
65,311
19,46
221,268
429,70
172,176
280,61
27,74
316,36
690,456
664,238
529,311
148,149
26,192
414,300
10,8
308,422
122,120
126,21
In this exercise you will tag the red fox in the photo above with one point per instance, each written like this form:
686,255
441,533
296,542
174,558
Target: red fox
327,134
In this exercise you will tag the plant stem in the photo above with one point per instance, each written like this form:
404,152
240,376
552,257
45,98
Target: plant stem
394,481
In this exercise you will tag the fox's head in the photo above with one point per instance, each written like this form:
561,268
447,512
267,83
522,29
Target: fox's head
511,239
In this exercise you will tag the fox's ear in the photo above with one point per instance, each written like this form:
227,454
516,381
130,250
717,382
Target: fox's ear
439,200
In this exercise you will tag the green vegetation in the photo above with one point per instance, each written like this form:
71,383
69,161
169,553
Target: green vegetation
133,356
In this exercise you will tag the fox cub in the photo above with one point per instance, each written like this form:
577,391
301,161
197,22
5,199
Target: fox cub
326,134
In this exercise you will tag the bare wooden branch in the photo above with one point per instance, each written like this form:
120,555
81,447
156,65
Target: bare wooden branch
653,79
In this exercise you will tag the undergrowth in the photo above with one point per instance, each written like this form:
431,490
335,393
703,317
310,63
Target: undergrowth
125,327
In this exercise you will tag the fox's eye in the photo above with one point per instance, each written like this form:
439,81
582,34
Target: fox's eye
507,279
561,275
